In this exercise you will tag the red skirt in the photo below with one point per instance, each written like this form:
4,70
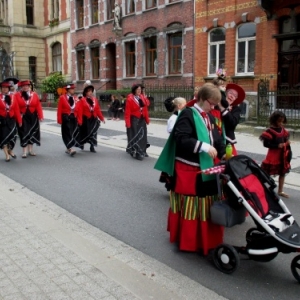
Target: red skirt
189,226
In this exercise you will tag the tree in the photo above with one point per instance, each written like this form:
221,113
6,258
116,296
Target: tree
52,82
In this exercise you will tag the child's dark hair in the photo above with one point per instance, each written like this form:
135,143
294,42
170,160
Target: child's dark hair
275,116
169,104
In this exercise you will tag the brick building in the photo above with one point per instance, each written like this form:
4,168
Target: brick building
34,38
153,44
253,40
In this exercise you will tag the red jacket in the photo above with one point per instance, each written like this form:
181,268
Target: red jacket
34,104
132,108
84,109
64,107
13,110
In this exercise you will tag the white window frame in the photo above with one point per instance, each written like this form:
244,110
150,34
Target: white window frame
246,40
217,44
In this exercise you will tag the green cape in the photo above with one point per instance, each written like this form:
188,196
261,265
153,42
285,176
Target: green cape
166,160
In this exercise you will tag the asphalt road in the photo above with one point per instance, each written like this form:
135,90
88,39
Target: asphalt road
123,197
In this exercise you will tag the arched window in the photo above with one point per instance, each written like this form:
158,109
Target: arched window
80,53
95,58
56,57
245,48
216,50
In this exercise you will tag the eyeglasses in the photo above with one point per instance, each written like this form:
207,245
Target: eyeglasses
211,104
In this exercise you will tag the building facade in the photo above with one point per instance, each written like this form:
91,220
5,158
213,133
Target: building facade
252,40
34,39
115,44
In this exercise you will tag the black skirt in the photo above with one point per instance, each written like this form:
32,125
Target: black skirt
88,131
70,131
29,132
8,132
137,137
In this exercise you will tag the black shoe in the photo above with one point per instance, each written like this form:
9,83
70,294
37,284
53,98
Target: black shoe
92,149
139,157
146,154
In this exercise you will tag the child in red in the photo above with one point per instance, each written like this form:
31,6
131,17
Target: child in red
276,139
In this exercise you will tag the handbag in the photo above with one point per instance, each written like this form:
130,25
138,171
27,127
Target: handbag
223,214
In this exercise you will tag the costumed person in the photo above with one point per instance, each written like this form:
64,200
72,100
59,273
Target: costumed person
32,113
136,119
89,115
278,158
174,105
9,118
231,114
66,116
191,147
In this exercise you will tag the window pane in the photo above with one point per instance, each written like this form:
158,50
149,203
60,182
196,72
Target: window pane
217,35
110,8
251,56
241,57
56,57
150,3
32,68
175,53
80,64
130,59
130,6
94,11
95,63
247,30
213,59
80,13
151,56
221,56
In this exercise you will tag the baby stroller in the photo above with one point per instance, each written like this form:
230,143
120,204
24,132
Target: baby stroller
246,185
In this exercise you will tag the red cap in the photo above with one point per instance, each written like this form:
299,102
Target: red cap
24,82
70,86
5,84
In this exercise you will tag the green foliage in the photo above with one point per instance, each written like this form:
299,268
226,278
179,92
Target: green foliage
52,82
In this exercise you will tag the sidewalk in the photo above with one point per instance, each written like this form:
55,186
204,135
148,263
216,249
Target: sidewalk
47,253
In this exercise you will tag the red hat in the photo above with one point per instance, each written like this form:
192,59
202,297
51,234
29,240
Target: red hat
5,84
24,82
241,93
70,86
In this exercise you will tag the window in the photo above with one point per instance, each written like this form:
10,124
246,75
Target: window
216,50
130,58
246,36
110,7
80,13
175,53
94,12
56,57
151,55
150,4
95,51
29,12
3,11
32,68
54,9
80,63
130,7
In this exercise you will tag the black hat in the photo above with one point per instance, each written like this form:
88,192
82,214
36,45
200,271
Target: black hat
87,88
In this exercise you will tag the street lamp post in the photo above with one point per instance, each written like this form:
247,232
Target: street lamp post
6,64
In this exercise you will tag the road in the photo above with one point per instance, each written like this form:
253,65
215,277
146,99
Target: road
123,197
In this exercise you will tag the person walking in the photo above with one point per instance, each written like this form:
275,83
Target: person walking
191,147
136,119
66,116
32,113
89,115
9,118
278,158
231,114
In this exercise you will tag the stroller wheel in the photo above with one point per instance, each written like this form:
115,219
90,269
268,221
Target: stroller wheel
295,267
226,258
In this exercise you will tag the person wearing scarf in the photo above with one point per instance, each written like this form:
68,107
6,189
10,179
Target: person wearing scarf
32,113
136,121
66,116
89,115
192,146
9,116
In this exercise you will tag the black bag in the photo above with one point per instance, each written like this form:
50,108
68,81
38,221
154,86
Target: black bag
223,214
